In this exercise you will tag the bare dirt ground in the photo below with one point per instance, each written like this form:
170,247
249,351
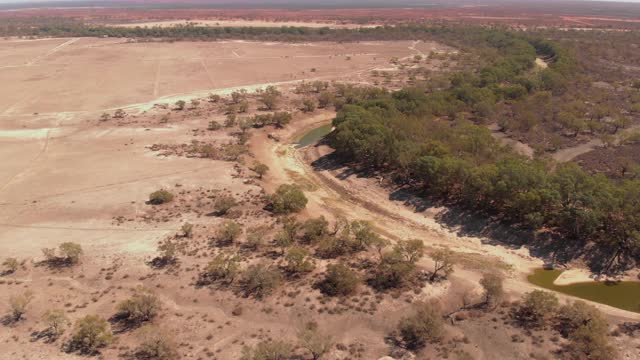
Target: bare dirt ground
126,73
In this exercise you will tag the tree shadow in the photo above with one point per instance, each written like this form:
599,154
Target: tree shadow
46,334
8,320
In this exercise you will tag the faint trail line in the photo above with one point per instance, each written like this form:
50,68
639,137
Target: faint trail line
204,66
40,153
52,51
105,186
156,80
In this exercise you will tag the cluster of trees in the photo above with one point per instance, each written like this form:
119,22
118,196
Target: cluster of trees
419,136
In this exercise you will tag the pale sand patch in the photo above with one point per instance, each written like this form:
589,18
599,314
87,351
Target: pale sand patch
541,63
573,276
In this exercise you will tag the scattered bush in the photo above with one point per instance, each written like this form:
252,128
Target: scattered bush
425,325
536,308
260,169
267,350
308,105
229,232
213,126
260,280
180,104
19,303
316,343
223,204
214,98
160,197
269,97
255,237
586,328
90,334
119,114
298,261
314,229
187,230
11,265
393,271
167,254
143,306
287,199
339,280
156,345
443,262
56,322
223,267
493,290
70,253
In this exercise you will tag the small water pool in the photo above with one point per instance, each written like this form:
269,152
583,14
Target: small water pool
623,295
314,135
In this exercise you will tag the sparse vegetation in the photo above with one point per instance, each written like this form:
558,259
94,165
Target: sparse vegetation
424,326
156,345
260,280
229,232
68,254
267,350
223,204
493,290
224,267
287,199
160,197
11,265
142,306
443,262
19,304
339,280
260,169
90,334
56,322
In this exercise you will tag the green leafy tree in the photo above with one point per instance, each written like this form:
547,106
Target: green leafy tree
287,199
